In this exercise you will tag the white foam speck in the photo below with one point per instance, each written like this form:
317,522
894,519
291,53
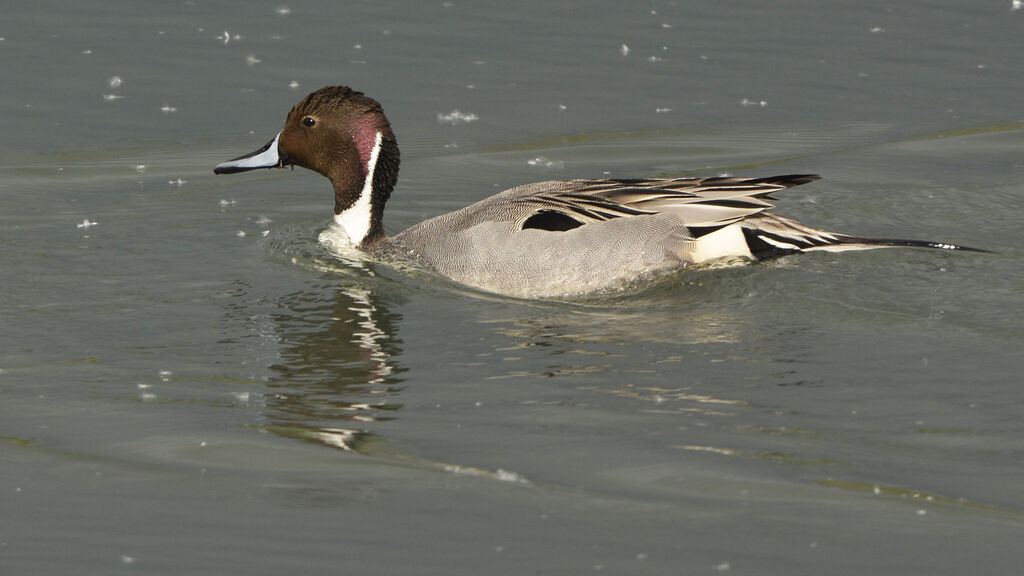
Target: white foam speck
545,162
508,476
87,224
126,559
227,37
115,82
456,117
240,233
922,512
263,221
358,46
111,97
165,375
499,474
168,109
877,30
746,102
1014,5
723,567
563,107
293,84
283,10
252,60
662,110
226,203
624,50
140,168
179,182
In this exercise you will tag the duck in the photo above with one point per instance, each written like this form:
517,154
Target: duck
546,239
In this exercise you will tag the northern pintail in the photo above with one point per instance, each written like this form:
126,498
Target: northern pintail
547,239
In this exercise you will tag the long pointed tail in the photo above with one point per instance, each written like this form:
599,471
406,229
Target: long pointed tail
856,243
771,235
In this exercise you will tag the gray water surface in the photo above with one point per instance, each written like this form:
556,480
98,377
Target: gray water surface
191,384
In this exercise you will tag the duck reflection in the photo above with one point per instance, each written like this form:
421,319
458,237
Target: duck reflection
336,372
336,366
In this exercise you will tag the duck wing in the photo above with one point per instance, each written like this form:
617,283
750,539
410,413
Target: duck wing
701,204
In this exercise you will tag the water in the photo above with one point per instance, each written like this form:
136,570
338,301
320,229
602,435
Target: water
191,384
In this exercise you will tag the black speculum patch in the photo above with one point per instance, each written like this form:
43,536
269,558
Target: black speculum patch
551,221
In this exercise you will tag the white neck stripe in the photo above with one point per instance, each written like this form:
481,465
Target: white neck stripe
355,220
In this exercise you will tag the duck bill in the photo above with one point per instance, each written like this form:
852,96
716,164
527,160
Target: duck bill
266,157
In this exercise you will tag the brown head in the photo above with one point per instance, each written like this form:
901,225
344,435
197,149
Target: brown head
345,136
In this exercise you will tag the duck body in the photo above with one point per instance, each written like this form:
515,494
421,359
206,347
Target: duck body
486,246
546,239
561,238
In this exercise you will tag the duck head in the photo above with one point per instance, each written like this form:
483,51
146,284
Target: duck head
345,136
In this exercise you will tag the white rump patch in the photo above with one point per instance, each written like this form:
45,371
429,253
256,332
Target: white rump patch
355,220
726,242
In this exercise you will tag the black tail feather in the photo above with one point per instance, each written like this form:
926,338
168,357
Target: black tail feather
764,244
788,180
909,243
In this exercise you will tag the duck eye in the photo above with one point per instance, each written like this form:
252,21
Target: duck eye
309,121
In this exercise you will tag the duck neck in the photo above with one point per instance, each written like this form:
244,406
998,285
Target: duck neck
360,212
